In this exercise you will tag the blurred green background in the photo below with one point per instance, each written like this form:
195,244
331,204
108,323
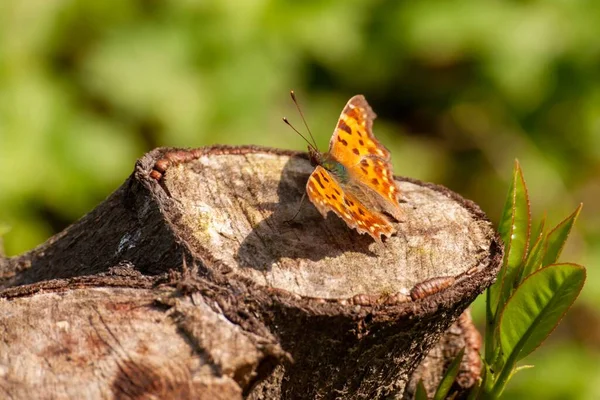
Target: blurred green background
462,88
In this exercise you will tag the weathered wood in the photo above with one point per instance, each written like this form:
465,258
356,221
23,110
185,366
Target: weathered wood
270,309
461,335
98,341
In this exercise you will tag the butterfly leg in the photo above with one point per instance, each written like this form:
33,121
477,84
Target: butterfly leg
289,221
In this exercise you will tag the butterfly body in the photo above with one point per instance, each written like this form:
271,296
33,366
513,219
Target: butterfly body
328,162
354,179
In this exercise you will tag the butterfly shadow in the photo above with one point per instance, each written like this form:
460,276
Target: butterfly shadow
308,236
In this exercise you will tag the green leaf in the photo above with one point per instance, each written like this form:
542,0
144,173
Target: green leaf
534,258
556,239
537,306
514,228
421,393
444,387
540,227
532,313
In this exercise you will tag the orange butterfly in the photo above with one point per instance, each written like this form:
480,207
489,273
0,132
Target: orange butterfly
355,179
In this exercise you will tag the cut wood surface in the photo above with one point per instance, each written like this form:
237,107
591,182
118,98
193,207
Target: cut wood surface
195,255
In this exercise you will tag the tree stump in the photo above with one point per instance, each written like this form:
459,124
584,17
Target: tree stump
190,282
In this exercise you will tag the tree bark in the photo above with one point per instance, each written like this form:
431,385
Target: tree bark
189,281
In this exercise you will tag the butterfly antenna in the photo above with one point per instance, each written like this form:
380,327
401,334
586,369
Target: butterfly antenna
293,96
298,132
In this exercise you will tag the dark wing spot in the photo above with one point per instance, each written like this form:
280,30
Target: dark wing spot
349,203
343,126
334,197
337,192
352,113
355,151
324,177
375,181
361,211
361,142
342,141
318,179
328,197
364,162
364,170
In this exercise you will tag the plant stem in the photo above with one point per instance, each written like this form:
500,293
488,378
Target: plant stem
503,377
489,329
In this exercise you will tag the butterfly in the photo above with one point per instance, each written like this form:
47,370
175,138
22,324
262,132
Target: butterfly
354,179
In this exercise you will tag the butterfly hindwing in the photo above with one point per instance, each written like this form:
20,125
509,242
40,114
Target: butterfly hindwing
377,175
327,194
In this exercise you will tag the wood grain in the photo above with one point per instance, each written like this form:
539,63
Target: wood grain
190,282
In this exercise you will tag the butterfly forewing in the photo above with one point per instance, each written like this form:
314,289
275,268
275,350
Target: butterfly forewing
326,194
353,136
366,159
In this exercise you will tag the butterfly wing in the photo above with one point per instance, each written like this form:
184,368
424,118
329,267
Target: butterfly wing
366,159
353,136
326,194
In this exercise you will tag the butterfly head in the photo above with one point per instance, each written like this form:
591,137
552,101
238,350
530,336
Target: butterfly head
328,162
316,158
